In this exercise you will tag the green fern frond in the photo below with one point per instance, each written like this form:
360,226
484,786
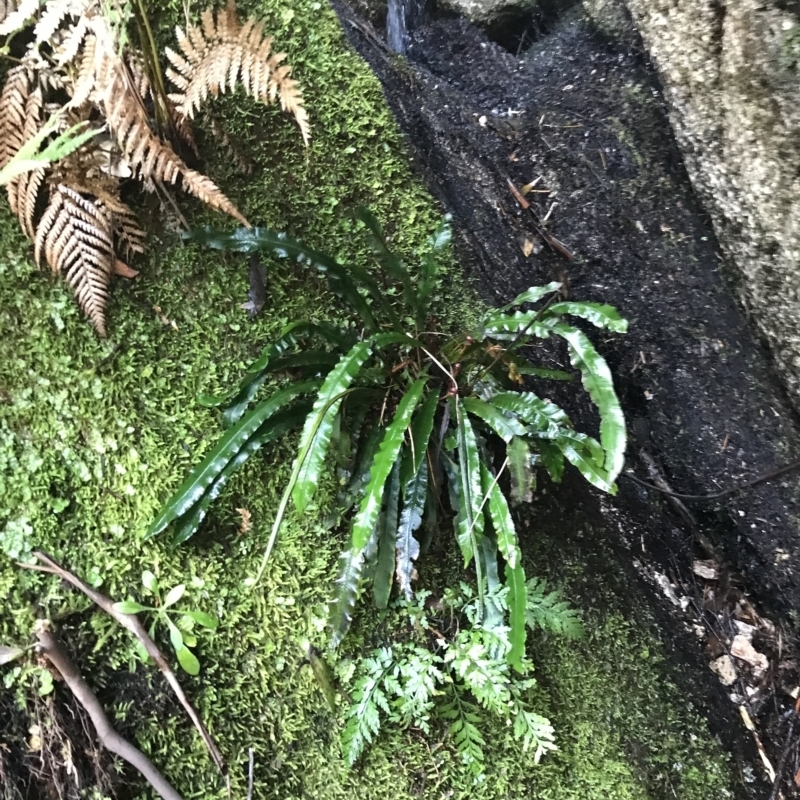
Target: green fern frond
549,611
463,720
535,732
369,699
420,676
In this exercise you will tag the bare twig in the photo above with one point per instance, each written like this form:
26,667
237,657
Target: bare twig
54,651
250,774
790,742
132,623
767,476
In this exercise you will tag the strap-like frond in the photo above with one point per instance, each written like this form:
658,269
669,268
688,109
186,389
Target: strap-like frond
75,237
222,53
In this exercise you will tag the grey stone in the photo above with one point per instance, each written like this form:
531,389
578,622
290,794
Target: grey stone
731,76
489,13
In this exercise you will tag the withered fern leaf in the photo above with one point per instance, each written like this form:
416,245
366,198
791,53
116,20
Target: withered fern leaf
223,53
78,68
75,237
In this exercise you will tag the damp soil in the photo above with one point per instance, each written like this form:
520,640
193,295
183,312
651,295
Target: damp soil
585,116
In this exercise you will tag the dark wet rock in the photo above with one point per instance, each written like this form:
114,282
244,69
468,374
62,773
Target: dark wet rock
585,115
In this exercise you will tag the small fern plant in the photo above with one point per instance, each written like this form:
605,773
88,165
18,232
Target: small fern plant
451,676
406,417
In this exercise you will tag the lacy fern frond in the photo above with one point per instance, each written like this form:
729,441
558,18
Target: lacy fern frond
23,190
223,52
75,238
463,720
150,157
54,14
548,610
76,52
369,699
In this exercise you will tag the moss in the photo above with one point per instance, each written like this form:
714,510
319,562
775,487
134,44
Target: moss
95,434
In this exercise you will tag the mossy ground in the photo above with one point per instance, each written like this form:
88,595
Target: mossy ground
95,434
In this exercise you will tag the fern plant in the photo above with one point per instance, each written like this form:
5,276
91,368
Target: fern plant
408,416
71,209
451,678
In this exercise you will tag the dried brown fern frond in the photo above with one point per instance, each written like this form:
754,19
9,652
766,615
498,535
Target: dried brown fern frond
55,12
13,100
75,237
75,52
127,118
23,191
224,52
86,172
15,13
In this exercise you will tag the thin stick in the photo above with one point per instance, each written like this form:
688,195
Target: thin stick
132,623
716,495
54,651
250,774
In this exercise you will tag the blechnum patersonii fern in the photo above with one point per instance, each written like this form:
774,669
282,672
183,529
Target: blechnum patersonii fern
408,416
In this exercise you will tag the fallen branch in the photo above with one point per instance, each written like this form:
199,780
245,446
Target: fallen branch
132,623
54,651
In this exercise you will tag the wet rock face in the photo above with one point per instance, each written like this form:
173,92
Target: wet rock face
731,76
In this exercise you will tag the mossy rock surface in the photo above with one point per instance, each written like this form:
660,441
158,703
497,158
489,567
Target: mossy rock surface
95,434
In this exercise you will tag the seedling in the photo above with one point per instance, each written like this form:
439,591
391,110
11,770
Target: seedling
180,623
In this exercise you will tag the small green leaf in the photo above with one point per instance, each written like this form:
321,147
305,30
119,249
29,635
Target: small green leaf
532,295
149,581
505,425
175,635
600,315
598,382
45,682
173,595
129,607
188,661
201,618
